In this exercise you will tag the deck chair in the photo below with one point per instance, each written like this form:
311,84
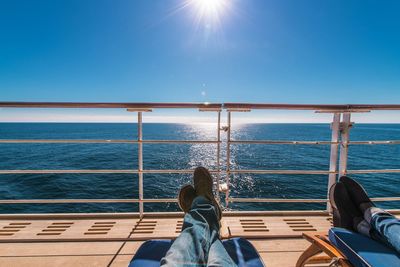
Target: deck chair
347,249
240,250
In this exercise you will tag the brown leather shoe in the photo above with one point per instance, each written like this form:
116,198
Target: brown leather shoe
185,197
203,184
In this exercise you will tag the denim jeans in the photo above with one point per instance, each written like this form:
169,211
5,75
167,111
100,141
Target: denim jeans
199,243
385,228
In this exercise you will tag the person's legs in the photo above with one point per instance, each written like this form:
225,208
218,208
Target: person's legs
199,243
218,256
384,227
192,245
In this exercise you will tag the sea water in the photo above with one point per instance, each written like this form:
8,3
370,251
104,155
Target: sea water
185,156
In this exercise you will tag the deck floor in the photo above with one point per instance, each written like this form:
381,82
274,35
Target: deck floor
153,227
113,242
274,252
72,240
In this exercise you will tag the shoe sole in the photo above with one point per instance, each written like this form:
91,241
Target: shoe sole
181,202
345,208
331,196
210,195
354,187
336,218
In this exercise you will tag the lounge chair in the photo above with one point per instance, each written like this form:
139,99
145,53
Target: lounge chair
240,250
348,249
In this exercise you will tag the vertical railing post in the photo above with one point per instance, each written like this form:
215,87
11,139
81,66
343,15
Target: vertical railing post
218,154
344,147
334,154
140,162
228,158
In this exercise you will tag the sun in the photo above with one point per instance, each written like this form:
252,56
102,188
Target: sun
209,9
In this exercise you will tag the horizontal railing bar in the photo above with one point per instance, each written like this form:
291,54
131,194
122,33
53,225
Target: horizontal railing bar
282,171
180,141
146,105
174,171
65,171
173,200
339,108
160,200
190,171
149,105
275,142
49,201
382,199
95,171
91,141
55,201
389,142
62,141
278,200
301,200
374,171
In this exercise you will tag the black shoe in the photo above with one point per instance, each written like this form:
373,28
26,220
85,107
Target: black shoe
185,198
203,184
357,193
344,210
356,222
335,212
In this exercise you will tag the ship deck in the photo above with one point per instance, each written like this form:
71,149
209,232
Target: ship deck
112,240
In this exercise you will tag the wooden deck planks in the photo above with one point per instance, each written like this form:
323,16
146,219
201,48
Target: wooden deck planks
257,227
58,254
274,238
275,226
51,261
57,249
281,252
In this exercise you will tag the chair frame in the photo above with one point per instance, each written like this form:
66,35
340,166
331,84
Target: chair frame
321,244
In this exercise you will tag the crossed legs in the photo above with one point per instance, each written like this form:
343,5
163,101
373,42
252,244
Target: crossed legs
199,243
353,210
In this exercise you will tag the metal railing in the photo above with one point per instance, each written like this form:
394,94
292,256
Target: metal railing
340,141
339,144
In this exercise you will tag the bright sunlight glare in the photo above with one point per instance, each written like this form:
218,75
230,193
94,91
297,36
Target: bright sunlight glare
210,9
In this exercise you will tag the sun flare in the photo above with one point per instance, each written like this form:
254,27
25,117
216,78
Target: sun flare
209,9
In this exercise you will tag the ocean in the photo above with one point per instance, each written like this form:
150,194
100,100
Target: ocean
184,156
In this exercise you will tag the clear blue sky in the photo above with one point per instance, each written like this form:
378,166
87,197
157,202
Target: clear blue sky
309,51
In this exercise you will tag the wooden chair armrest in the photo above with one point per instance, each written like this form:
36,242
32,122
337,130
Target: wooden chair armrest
320,243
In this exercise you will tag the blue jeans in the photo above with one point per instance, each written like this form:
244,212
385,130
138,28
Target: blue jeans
385,228
199,243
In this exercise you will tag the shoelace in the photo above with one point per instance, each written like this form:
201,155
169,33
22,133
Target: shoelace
334,263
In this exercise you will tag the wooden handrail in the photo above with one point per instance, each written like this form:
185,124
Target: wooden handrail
149,105
144,105
348,107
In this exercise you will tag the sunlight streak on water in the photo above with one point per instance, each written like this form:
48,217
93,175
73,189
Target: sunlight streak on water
206,155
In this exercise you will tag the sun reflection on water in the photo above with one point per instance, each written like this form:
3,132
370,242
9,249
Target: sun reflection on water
202,154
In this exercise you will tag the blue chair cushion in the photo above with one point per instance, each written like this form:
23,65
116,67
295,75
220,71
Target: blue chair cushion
363,251
240,250
150,253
